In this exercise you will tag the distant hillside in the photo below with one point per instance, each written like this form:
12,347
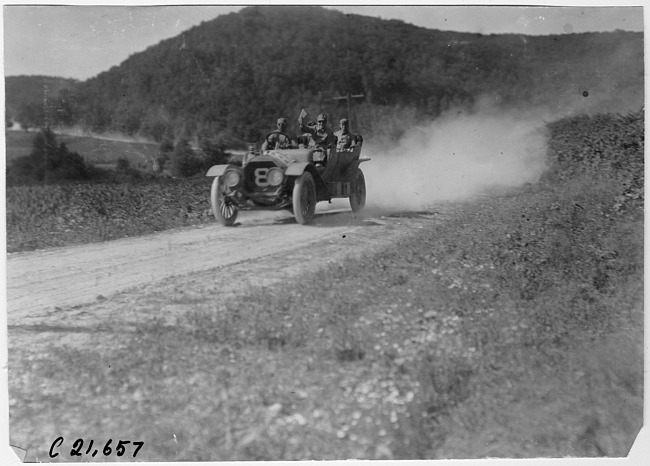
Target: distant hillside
229,78
28,98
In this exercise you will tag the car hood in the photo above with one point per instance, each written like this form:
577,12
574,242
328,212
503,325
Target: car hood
285,157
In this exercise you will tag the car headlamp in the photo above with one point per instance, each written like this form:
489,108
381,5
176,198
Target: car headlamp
275,176
231,178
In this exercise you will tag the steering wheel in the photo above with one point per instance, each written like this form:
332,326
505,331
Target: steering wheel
271,143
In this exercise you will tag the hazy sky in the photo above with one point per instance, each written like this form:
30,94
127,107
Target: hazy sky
82,41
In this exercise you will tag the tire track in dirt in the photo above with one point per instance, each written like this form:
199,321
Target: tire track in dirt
38,281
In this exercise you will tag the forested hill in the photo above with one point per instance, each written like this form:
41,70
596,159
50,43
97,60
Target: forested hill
229,78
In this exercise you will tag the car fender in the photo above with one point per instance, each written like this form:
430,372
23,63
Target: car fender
298,168
352,168
218,170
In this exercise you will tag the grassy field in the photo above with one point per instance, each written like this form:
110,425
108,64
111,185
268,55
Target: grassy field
18,144
512,329
94,150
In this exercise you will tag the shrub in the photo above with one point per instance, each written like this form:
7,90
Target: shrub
122,164
604,147
184,161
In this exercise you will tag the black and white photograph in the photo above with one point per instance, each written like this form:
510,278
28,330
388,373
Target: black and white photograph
296,232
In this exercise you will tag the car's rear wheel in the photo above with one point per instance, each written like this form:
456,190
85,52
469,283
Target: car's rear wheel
222,208
358,197
304,198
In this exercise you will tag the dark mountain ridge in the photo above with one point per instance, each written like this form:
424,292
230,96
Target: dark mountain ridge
229,78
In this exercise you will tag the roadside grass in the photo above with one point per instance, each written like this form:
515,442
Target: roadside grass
62,215
512,330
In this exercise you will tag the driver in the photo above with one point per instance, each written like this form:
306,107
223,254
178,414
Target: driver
279,139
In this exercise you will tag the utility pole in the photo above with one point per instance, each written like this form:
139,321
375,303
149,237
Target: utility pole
349,98
46,122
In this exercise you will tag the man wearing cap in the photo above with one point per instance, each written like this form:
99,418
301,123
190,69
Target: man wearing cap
279,139
321,134
345,139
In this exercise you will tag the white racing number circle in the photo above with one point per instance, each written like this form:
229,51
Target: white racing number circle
268,176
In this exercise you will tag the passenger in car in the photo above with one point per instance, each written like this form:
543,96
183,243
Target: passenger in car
322,135
345,140
280,139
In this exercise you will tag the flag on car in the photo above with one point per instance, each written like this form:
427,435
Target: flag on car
302,116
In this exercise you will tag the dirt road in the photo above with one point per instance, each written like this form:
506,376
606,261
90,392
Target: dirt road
49,285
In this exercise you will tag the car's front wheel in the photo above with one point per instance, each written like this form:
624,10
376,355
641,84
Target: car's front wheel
222,209
358,197
304,198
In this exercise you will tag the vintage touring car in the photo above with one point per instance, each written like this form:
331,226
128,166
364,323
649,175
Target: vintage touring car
294,179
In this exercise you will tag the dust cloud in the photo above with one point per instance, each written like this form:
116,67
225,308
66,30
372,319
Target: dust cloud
457,156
